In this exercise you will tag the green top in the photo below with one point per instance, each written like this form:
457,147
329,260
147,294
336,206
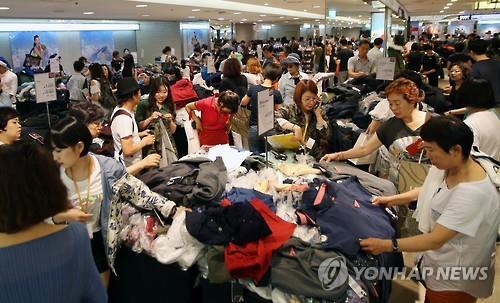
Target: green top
142,112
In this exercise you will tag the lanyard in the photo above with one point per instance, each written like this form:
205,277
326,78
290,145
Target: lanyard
82,203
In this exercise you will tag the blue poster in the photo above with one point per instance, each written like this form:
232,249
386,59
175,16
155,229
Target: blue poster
97,46
39,44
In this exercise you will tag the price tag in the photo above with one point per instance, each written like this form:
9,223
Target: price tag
310,143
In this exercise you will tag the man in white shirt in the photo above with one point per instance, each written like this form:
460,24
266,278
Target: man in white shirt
289,80
360,65
127,139
375,53
76,82
8,85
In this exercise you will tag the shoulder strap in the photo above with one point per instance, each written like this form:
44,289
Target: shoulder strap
118,113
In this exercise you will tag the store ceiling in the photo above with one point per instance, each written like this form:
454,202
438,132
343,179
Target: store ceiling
189,10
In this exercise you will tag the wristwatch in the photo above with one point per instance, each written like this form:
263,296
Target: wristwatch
395,246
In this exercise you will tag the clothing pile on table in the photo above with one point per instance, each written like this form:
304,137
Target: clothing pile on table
268,228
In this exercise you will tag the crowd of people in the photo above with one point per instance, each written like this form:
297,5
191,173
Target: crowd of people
120,118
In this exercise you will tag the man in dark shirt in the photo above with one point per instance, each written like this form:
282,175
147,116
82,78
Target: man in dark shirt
485,67
459,55
267,52
430,65
343,56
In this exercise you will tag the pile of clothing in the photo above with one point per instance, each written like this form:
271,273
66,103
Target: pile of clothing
267,228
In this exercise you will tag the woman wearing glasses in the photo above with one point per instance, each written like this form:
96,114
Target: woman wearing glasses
305,118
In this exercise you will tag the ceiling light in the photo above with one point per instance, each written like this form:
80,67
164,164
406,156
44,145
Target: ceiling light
254,23
141,5
441,11
241,22
360,16
316,6
305,10
4,8
462,12
243,19
449,4
282,17
88,13
295,18
236,13
259,20
196,10
146,15
262,15
446,7
191,17
266,4
317,20
220,19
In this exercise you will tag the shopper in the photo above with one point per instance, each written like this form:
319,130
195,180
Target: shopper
485,67
127,139
108,74
212,126
253,72
10,128
360,65
91,115
76,82
376,53
129,66
8,85
289,80
430,65
479,99
414,58
343,55
40,262
395,50
233,79
305,118
267,52
88,182
459,72
100,88
396,133
272,74
458,232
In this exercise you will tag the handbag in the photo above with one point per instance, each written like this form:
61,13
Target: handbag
239,124
411,174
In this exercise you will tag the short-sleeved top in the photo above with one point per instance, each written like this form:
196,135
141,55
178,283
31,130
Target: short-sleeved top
395,135
357,65
459,57
214,123
56,268
253,105
96,195
122,127
489,70
143,112
430,62
485,126
414,61
344,54
75,87
473,210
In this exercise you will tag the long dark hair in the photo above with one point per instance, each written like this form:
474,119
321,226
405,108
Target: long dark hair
156,84
96,72
110,73
128,66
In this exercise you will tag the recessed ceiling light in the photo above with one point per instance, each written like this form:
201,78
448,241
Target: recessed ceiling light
259,20
220,19
146,15
454,0
305,10
4,8
196,10
141,5
243,19
262,15
241,22
441,11
317,20
254,23
446,7
295,18
236,13
462,12
282,17
316,6
449,4
88,13
191,17
266,4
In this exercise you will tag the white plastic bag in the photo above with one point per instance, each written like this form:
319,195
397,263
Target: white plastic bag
369,159
192,138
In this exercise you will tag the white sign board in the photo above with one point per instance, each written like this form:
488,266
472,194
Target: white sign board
45,88
211,65
386,68
54,65
266,111
134,54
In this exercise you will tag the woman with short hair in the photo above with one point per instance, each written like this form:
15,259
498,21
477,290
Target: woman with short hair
10,127
233,80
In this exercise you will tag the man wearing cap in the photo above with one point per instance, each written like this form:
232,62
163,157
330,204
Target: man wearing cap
289,80
127,139
360,65
8,85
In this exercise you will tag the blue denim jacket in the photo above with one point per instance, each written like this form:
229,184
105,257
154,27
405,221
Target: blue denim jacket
111,171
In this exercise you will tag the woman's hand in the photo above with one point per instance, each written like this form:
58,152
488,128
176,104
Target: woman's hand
152,160
148,140
385,201
297,132
376,246
72,215
447,89
168,117
155,116
333,157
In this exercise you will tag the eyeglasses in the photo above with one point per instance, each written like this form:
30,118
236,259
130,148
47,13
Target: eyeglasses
311,100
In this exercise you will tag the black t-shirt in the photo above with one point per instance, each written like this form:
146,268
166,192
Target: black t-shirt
237,84
430,62
395,135
459,57
253,105
489,70
343,55
414,61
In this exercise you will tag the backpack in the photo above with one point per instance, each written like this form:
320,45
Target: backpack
183,93
490,165
108,146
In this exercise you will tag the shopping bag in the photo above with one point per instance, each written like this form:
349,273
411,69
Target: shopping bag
239,124
411,174
168,152
192,138
368,159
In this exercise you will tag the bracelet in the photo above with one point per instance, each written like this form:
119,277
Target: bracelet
55,223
